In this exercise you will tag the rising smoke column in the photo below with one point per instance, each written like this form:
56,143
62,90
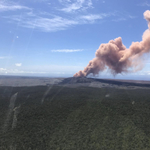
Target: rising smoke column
116,57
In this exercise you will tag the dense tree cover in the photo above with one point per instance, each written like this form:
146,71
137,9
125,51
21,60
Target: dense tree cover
76,119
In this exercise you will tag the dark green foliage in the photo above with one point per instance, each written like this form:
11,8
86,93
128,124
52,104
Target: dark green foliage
77,119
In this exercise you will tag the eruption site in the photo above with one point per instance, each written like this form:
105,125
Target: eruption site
116,57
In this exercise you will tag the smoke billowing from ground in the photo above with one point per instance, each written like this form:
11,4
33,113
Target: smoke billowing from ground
116,57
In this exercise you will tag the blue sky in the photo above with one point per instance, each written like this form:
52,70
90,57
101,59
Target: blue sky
57,38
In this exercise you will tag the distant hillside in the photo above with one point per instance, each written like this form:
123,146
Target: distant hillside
73,80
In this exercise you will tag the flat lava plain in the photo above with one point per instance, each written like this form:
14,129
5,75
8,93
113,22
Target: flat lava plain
16,81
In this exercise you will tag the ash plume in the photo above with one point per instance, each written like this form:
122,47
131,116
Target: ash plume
116,57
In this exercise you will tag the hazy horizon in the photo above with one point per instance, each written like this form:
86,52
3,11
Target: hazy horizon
96,77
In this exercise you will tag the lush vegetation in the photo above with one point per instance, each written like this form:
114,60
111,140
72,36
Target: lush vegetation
76,119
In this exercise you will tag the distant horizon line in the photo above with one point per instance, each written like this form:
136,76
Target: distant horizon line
36,76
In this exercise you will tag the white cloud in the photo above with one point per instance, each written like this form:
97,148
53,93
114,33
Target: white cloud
2,69
18,64
48,22
93,17
144,4
45,24
53,23
78,5
11,6
5,57
16,71
131,17
42,70
124,18
119,19
2,57
90,4
67,50
72,8
40,1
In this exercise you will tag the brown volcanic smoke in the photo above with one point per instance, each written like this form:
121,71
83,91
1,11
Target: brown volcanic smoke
116,56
